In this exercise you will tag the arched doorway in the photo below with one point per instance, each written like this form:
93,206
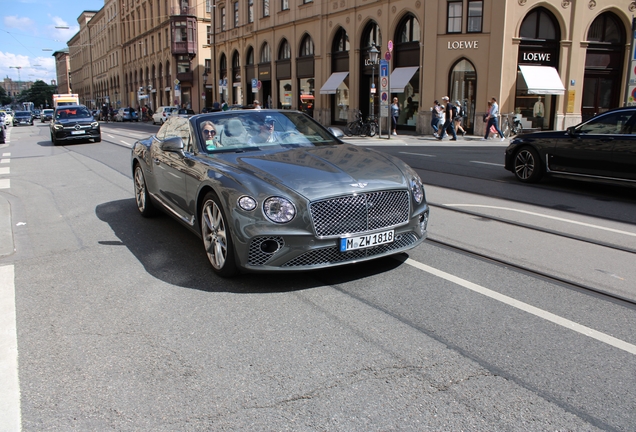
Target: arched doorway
371,36
223,78
237,90
265,75
405,79
462,87
603,65
540,36
250,74
305,74
283,75
340,65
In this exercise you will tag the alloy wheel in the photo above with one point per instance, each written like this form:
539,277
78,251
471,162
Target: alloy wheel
214,234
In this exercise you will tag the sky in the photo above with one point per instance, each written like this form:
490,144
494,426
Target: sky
27,27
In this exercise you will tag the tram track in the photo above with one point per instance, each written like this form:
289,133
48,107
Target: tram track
605,294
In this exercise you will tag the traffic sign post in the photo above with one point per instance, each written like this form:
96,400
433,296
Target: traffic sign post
384,97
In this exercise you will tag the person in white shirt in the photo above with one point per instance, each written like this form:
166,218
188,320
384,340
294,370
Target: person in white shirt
493,120
257,105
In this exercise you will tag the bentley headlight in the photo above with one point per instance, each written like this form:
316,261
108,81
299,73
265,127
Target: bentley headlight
279,210
417,189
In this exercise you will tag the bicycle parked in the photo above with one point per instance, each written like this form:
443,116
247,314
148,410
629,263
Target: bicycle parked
360,127
511,125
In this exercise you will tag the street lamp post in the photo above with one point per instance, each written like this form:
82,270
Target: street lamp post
373,58
19,79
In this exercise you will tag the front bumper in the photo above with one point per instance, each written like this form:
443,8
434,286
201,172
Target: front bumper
275,252
68,135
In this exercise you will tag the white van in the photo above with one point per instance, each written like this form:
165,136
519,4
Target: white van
162,114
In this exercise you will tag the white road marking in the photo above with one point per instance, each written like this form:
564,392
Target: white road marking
6,154
110,136
487,163
5,184
418,154
127,144
4,170
548,316
4,161
547,217
9,383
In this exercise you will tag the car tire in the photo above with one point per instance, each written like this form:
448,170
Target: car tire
142,197
98,139
527,165
53,140
216,236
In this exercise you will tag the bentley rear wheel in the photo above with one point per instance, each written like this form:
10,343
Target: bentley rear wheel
217,239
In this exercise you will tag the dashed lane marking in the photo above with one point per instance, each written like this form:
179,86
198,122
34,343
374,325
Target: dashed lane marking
548,316
4,170
5,184
126,143
487,163
418,154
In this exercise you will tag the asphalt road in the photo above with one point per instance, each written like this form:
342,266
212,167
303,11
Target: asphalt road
517,314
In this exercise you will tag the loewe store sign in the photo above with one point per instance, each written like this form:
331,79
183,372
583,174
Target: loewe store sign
455,45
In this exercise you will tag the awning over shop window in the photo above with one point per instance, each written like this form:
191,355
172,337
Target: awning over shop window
333,83
400,77
542,80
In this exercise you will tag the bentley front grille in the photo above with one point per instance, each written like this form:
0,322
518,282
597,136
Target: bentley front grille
360,213
333,255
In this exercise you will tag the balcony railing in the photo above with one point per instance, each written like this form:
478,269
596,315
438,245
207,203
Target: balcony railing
185,76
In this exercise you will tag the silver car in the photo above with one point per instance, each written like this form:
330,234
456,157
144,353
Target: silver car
275,191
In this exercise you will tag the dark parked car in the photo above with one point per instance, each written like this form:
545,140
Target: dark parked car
22,118
3,132
47,115
601,149
73,123
275,191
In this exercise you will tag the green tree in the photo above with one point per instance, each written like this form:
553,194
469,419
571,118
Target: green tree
5,99
40,93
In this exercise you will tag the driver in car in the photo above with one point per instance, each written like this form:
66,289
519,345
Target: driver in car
266,132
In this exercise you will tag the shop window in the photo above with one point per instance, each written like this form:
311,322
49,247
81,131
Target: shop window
285,51
410,30
307,47
475,16
539,24
455,9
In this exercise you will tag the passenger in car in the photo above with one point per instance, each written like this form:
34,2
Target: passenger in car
209,135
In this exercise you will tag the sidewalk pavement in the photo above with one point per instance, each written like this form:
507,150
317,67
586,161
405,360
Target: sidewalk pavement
425,140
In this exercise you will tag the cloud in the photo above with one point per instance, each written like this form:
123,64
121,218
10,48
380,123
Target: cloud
23,23
31,68
61,35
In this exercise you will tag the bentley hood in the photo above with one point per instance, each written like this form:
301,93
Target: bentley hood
319,172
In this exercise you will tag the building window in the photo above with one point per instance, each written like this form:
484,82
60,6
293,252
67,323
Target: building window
250,11
208,6
454,17
223,19
285,51
266,56
265,8
208,65
284,5
152,44
307,1
307,48
236,14
209,35
475,14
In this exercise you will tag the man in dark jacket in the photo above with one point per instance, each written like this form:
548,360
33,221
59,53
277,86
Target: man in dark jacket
451,112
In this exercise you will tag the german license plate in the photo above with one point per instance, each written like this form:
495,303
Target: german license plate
366,241
79,132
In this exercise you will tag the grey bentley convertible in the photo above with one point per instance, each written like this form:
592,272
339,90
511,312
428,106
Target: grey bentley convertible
275,191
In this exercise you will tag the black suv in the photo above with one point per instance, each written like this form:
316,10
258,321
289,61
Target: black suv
72,123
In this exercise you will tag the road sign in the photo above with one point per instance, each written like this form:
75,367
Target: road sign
177,82
390,45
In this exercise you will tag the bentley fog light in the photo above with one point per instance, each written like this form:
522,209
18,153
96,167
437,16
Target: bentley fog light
423,222
247,203
279,210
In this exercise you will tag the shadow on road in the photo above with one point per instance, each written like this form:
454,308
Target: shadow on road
173,254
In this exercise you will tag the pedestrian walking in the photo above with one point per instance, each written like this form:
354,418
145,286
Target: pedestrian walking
493,119
449,120
459,117
395,113
435,117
